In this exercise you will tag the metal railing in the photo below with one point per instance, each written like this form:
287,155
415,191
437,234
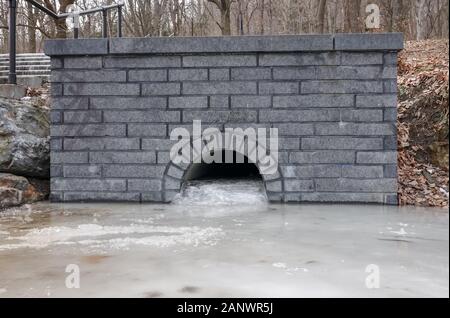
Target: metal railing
12,76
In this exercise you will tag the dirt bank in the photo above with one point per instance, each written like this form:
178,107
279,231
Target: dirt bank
423,123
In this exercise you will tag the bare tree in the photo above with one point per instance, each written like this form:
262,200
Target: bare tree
224,7
420,18
31,31
321,15
352,10
417,19
61,25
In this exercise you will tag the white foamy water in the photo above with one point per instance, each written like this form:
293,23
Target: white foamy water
222,193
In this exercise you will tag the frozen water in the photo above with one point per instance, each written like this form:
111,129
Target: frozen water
230,250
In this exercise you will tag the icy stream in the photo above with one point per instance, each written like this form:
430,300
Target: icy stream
247,249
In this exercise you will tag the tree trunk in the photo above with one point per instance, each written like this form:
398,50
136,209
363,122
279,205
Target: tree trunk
271,16
224,7
226,22
60,24
226,17
352,16
31,29
261,17
321,15
420,16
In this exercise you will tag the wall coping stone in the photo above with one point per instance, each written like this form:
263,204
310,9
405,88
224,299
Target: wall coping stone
230,44
76,47
368,42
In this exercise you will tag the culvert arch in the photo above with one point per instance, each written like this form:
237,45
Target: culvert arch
176,175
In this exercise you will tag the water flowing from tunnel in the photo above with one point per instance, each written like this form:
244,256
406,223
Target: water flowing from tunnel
222,192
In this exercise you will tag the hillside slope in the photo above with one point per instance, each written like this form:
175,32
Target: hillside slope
423,123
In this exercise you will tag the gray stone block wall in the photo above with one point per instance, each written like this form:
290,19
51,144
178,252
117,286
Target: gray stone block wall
333,99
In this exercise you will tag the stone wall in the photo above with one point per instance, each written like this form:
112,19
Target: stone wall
332,97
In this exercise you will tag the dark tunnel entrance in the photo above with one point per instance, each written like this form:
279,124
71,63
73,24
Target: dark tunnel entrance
221,171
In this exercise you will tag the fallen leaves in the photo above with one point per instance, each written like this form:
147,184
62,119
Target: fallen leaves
39,96
423,124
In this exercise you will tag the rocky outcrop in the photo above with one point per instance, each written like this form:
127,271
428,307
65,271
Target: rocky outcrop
24,139
16,190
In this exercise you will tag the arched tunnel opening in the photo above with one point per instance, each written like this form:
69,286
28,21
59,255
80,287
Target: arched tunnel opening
223,184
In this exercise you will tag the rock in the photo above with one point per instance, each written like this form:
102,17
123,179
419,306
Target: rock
16,190
12,91
24,139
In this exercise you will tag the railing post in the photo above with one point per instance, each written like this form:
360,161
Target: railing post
105,23
12,77
119,21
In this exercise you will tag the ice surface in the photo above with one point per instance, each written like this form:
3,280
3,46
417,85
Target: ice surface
230,250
